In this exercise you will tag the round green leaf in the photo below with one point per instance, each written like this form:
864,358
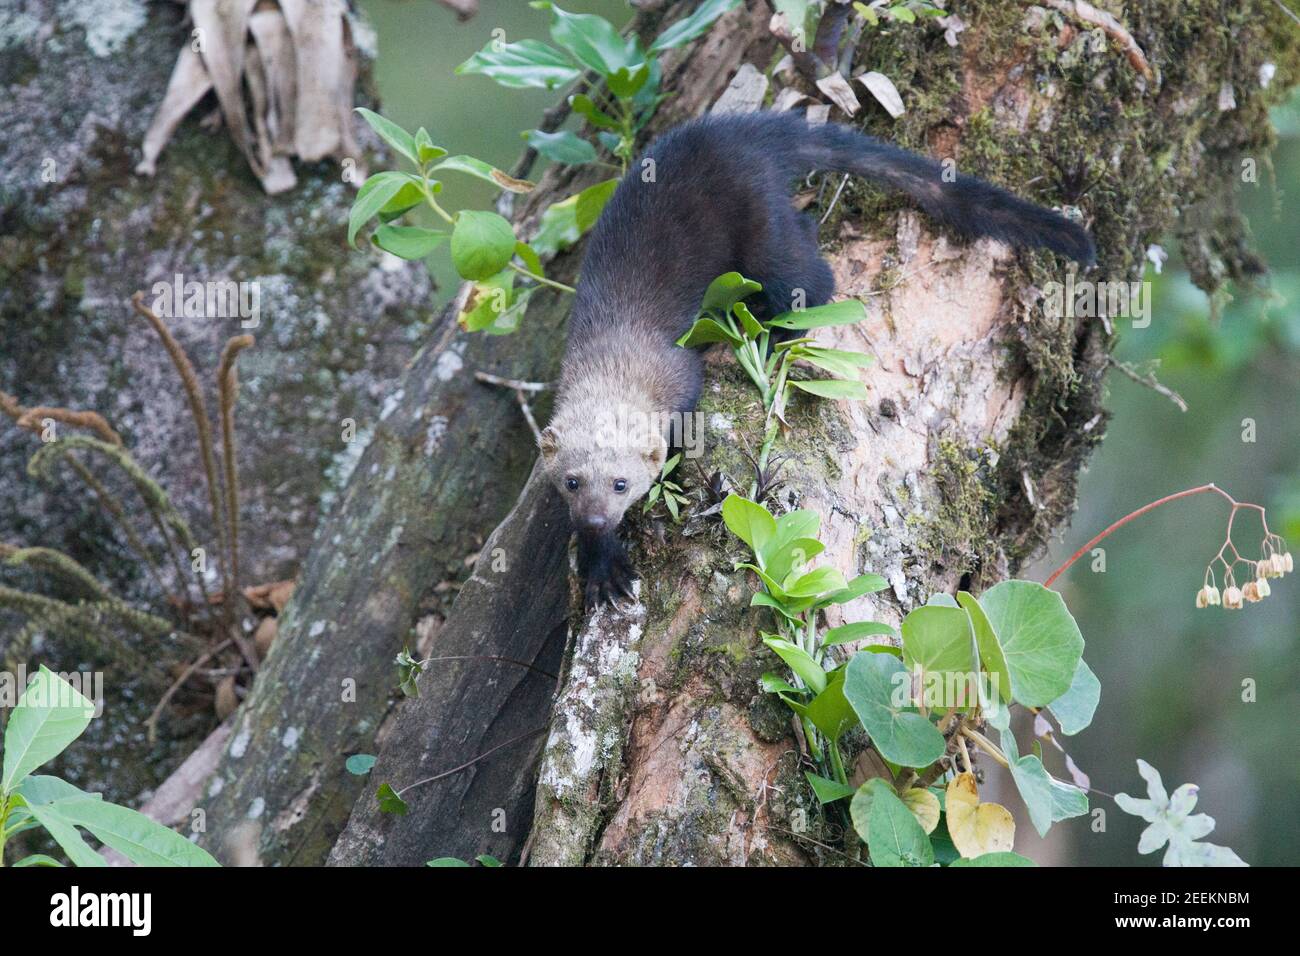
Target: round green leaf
900,734
482,244
1039,638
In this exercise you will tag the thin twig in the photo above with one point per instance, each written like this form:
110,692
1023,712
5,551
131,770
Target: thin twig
470,763
514,383
834,199
1149,381
490,657
519,388
151,724
1082,10
1287,10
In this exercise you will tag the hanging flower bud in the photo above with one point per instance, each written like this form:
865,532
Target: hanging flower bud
1287,565
1232,598
1212,596
1203,598
1251,592
1262,586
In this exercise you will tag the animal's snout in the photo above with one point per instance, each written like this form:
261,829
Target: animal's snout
596,522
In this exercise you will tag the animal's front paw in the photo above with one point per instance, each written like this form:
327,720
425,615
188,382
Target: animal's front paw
606,571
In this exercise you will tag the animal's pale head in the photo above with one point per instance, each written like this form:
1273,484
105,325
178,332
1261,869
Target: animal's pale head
600,473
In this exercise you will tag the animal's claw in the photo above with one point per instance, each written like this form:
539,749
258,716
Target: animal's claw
606,570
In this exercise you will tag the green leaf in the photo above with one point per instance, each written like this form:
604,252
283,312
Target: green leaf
827,790
749,522
49,716
532,261
832,388
833,313
1039,639
688,28
705,332
773,586
747,321
392,134
796,553
593,41
991,657
591,202
938,640
626,81
586,108
994,859
424,148
862,584
488,301
561,227
373,195
447,861
829,711
900,734
894,838
726,290
138,838
852,632
482,244
486,859
360,764
1073,710
564,146
1067,800
390,802
815,582
1033,782
528,63
840,363
778,685
67,836
405,199
38,859
408,242
809,671
484,171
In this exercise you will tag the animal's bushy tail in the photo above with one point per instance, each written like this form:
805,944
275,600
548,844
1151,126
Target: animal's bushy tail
966,204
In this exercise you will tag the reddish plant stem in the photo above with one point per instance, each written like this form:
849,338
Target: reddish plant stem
1202,489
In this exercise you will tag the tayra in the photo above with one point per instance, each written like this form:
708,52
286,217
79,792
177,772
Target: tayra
713,196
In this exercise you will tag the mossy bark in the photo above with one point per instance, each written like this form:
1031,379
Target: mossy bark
982,410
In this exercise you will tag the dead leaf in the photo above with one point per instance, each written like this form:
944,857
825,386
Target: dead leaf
977,828
924,806
284,73
269,597
226,700
883,89
838,90
264,636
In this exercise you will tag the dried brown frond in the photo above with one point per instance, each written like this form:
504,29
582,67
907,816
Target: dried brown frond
199,411
32,419
228,386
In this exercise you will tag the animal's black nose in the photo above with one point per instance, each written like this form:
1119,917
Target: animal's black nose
595,522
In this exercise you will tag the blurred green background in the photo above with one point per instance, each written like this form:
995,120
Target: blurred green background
1172,677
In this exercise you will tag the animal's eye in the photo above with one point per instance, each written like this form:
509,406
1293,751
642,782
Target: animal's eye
571,483
620,485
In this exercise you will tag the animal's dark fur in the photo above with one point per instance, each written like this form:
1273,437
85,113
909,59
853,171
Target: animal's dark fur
713,196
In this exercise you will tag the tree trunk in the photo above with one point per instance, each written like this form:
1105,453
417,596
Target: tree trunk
662,748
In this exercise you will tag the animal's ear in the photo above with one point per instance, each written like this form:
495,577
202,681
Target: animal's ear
549,442
656,453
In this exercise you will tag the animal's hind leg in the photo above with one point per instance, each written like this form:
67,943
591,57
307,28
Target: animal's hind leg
794,275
